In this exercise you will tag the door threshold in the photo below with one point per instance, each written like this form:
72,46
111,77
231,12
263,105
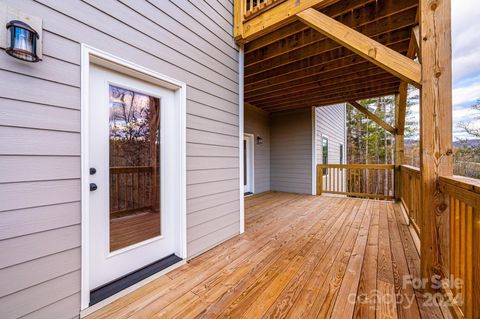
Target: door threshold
113,287
91,309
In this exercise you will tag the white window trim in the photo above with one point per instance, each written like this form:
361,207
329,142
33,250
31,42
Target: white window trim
89,54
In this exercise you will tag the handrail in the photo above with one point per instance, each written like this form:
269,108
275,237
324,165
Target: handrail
410,168
356,180
463,198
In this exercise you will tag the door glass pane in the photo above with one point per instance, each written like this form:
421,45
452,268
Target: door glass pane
134,167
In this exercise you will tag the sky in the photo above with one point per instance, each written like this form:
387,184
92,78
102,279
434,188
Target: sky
466,61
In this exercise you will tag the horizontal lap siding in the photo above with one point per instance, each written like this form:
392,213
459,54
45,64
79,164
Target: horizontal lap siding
40,238
291,151
257,122
330,121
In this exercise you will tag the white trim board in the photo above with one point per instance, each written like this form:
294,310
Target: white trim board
241,116
88,56
250,160
314,150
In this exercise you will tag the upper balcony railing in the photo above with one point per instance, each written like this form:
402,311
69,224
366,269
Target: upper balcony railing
253,8
254,18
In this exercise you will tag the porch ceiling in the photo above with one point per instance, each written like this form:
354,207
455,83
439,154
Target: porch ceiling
296,66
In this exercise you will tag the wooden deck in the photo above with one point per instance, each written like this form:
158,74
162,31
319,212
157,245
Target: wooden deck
133,228
300,257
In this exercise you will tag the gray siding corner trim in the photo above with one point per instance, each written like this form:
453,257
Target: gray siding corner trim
40,205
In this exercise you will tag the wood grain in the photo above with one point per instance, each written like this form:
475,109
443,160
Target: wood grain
301,256
382,56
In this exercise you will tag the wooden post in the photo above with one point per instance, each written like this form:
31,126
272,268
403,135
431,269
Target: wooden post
435,129
400,110
238,13
319,180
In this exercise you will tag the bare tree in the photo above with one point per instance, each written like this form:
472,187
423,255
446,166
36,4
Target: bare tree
468,126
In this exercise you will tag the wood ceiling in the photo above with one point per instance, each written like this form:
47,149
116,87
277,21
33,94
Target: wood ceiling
297,67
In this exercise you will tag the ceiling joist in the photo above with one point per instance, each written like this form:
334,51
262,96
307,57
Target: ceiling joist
373,51
278,16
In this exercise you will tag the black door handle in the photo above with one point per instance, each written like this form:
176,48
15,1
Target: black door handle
93,170
93,187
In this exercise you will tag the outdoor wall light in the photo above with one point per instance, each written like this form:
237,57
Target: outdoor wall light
259,140
22,41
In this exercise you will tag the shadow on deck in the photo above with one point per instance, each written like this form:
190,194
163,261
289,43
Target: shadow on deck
300,257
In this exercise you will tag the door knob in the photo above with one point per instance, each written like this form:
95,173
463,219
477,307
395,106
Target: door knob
93,170
93,187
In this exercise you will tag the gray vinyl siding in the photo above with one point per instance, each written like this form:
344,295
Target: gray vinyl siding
291,151
40,237
330,122
257,122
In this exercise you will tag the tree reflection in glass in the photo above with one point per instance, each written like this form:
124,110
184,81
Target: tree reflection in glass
134,167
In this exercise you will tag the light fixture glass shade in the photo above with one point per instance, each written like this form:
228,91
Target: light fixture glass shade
22,41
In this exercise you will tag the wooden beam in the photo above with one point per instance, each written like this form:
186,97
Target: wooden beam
238,12
384,57
320,49
396,15
391,88
335,84
373,117
278,16
416,42
321,92
400,112
401,107
296,27
328,100
435,130
299,83
330,69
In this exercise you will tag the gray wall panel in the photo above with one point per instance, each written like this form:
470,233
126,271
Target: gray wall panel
191,41
291,151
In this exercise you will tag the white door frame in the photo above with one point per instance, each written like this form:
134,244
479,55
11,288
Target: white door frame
92,55
250,155
314,150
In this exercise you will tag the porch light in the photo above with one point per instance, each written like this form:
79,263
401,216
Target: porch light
259,140
22,41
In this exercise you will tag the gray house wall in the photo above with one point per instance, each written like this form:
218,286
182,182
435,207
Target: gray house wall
257,122
40,238
291,151
330,122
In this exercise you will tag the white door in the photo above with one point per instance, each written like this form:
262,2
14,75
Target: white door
248,163
134,181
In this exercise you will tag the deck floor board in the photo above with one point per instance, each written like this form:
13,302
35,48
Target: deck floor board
300,257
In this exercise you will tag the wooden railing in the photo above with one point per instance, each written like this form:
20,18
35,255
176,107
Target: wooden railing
132,188
463,197
256,7
369,181
410,193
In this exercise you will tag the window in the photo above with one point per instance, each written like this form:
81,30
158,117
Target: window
341,154
324,153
